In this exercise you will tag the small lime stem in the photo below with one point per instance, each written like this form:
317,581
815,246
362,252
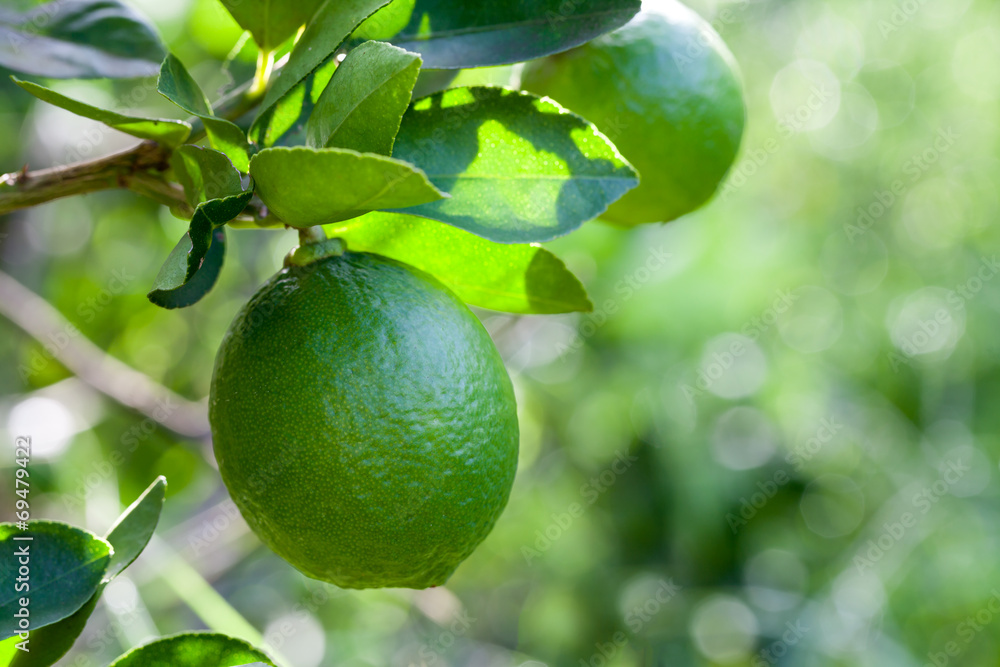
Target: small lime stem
265,64
309,235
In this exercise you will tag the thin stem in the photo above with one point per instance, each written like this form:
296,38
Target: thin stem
65,343
265,63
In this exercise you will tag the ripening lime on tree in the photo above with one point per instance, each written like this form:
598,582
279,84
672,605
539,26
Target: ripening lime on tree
667,91
362,418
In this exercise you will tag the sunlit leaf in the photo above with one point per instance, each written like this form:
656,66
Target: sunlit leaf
327,31
519,168
306,186
131,533
513,278
193,650
363,104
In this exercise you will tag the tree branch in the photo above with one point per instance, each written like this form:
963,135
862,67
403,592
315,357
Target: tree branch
108,375
130,169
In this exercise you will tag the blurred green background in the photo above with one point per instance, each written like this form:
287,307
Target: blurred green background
771,444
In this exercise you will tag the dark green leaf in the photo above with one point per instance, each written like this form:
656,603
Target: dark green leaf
433,81
271,22
205,174
307,186
193,266
208,217
190,292
194,649
519,168
177,85
167,132
131,533
451,35
363,104
128,537
72,39
498,276
327,31
52,642
66,567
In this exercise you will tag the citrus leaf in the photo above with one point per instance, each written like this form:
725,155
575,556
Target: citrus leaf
171,291
52,642
167,132
8,650
128,537
208,217
519,168
316,186
505,277
363,104
452,35
271,22
284,124
78,39
131,533
205,174
66,565
326,32
177,85
195,649
193,266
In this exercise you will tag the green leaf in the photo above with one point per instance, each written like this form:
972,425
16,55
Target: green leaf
519,168
74,39
452,35
284,124
193,266
168,132
363,104
52,642
505,277
131,533
196,649
327,31
205,174
307,186
271,22
66,566
128,537
8,650
177,85
387,22
171,290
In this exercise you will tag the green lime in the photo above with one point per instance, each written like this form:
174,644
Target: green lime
666,91
363,422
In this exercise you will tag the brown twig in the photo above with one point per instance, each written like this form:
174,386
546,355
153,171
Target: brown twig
132,169
116,380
